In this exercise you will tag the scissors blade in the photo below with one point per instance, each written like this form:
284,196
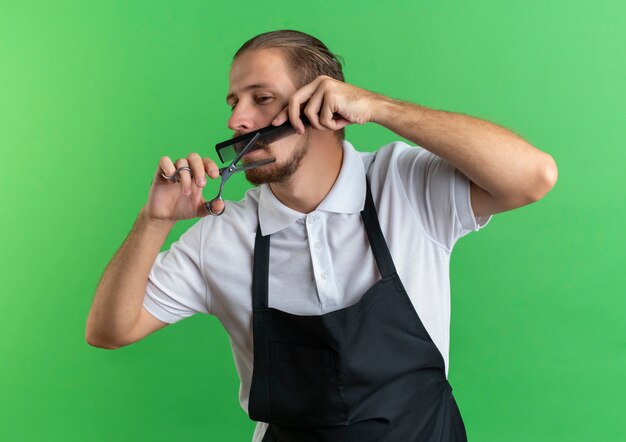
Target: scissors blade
249,165
255,164
245,149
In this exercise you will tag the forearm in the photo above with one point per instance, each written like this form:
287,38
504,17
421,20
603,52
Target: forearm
492,157
120,292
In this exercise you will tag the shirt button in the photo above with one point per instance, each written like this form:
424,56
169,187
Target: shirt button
324,275
318,245
310,220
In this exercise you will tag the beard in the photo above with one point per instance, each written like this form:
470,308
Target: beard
279,173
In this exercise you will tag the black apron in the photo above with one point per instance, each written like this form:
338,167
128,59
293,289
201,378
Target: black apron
366,373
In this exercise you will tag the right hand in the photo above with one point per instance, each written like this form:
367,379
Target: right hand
173,201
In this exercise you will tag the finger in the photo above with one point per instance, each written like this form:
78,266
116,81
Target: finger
312,109
210,167
281,117
326,118
297,100
184,176
197,169
341,122
166,166
294,114
217,207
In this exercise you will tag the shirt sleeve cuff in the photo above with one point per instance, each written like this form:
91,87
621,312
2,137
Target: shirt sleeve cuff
462,199
159,312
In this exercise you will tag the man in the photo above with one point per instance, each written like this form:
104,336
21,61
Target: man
341,333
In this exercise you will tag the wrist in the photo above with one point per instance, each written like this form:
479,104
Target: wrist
154,223
382,110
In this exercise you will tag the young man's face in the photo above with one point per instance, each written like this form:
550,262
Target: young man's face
260,87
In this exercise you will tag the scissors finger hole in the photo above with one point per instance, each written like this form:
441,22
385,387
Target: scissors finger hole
175,176
211,206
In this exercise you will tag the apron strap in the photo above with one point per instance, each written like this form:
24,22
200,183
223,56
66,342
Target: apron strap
376,237
260,271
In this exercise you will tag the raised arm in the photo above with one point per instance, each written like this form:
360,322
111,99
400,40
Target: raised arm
505,171
117,316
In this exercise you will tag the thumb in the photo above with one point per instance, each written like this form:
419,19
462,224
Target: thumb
217,206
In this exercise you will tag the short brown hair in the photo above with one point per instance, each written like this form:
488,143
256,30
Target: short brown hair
306,56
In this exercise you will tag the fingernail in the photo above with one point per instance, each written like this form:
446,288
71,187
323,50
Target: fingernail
201,182
214,172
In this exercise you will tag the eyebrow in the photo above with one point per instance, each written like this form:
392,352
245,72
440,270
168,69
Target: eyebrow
250,87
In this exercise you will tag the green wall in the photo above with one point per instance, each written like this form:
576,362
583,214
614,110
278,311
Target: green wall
93,93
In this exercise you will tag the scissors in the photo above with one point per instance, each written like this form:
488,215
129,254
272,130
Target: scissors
226,172
232,149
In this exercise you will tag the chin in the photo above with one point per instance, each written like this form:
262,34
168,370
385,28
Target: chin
264,175
278,172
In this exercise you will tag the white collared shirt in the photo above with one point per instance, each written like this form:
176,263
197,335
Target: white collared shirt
322,261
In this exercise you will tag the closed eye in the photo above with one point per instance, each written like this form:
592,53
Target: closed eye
259,99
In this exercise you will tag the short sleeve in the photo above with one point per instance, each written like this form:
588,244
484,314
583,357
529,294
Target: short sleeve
176,287
440,193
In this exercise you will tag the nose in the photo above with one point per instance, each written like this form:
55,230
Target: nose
241,120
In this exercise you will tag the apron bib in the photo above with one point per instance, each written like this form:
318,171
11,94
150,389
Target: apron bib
366,373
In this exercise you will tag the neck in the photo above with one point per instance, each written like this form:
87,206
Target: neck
310,184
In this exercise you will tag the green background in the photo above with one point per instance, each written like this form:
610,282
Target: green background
92,94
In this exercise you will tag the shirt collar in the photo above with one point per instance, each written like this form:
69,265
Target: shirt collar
346,196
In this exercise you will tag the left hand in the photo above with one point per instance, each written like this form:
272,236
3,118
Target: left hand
327,96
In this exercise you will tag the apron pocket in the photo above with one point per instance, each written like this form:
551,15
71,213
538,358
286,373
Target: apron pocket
304,388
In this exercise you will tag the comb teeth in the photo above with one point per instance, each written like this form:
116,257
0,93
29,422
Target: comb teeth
267,135
240,146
